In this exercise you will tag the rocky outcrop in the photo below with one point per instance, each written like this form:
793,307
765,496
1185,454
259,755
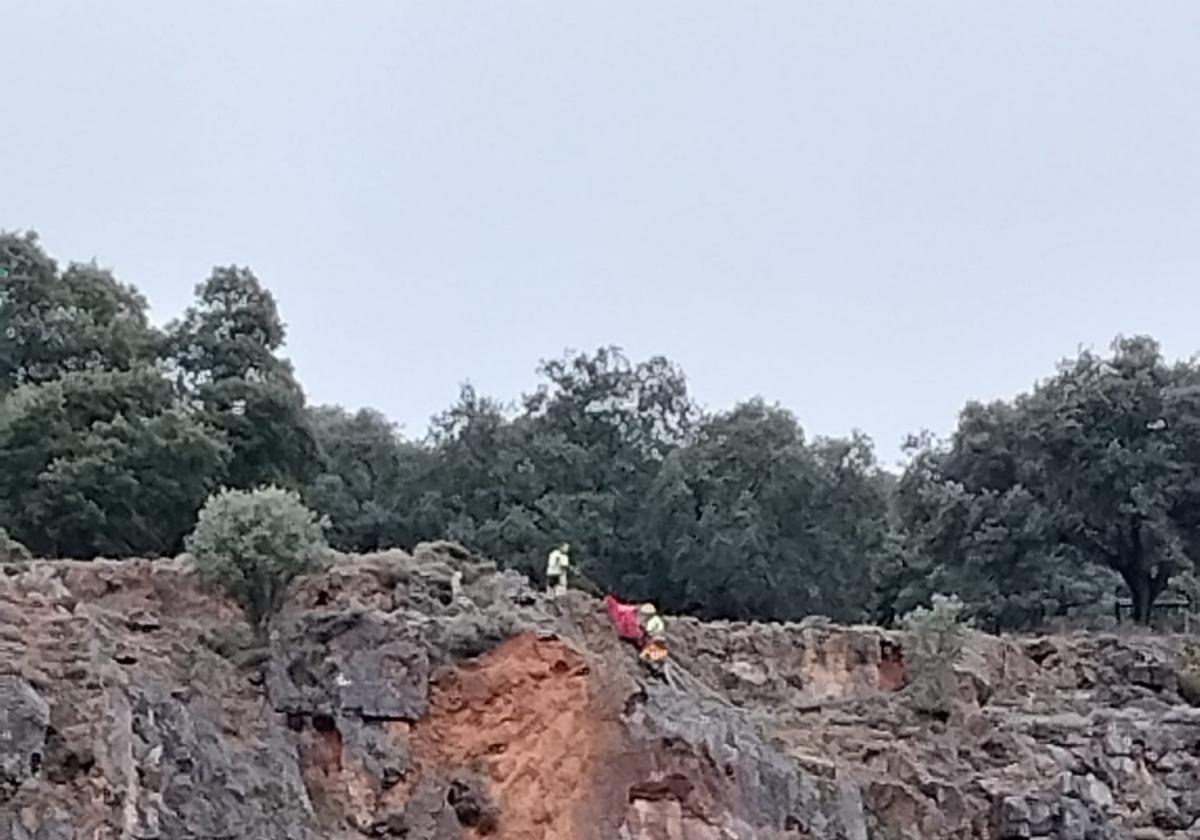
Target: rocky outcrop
433,696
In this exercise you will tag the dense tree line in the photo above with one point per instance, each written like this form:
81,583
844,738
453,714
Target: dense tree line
1049,501
114,432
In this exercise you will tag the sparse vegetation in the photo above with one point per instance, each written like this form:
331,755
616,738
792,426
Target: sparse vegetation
12,551
933,644
254,543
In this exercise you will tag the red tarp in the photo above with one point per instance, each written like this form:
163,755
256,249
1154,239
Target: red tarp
624,618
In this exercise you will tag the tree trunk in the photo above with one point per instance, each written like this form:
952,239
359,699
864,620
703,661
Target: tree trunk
1143,587
1143,597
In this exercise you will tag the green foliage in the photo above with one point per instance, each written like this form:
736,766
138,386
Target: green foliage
12,551
595,436
576,462
370,483
1044,504
103,463
750,520
254,543
231,332
933,644
52,323
224,350
99,452
102,499
734,515
267,428
112,433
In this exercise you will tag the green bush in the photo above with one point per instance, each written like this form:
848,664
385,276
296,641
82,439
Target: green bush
254,543
934,641
12,551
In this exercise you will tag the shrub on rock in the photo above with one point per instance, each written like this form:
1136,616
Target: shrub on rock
254,543
933,645
12,551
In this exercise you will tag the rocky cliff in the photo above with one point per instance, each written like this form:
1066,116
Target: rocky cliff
390,703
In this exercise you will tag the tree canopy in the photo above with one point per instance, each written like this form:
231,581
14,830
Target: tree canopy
114,432
54,322
750,520
225,350
1042,503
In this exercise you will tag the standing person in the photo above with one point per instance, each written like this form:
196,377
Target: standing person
556,570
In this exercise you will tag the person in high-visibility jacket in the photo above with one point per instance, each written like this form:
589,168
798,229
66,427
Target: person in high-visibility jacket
654,638
556,570
652,623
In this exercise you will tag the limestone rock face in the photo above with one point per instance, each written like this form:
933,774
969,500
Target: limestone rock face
431,696
24,719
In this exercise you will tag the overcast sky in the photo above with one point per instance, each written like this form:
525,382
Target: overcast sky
867,212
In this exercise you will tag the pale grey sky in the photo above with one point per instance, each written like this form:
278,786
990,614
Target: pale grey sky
869,212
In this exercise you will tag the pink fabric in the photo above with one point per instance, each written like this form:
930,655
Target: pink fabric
624,617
